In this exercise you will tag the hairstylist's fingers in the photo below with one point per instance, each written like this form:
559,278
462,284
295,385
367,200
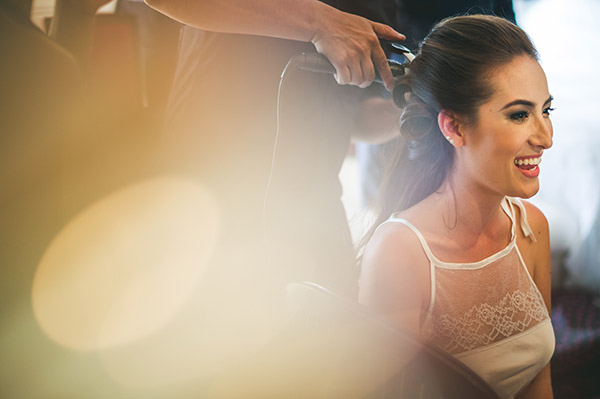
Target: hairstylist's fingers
350,42
356,72
342,75
383,68
368,72
348,68
386,32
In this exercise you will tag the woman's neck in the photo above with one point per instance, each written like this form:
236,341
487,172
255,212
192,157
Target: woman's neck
467,210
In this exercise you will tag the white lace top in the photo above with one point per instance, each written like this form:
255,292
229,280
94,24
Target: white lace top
490,314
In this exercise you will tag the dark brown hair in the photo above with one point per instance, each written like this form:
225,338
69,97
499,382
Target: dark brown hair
450,71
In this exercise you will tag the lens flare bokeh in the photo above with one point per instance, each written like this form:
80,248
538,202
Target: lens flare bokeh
126,264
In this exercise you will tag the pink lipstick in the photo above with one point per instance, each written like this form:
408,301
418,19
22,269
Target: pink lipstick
528,165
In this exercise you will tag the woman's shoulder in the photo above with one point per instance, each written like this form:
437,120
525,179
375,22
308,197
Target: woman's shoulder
535,250
408,233
394,238
395,250
533,215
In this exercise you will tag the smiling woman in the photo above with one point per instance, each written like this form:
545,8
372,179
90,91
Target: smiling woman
513,128
455,255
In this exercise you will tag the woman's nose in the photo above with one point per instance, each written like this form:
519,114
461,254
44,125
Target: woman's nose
542,136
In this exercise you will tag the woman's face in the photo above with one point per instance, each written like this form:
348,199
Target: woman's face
502,151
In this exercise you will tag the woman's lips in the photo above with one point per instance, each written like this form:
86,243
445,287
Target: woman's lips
533,172
528,165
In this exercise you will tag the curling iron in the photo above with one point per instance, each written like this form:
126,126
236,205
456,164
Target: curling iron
398,57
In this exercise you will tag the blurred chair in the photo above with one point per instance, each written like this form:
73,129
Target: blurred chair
360,355
576,362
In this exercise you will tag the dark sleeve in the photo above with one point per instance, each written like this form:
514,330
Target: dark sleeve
383,11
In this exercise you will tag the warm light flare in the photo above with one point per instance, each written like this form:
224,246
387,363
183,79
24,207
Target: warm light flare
125,265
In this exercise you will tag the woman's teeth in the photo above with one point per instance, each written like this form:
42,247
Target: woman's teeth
528,161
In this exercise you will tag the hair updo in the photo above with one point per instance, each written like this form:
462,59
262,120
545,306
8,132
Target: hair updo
453,64
451,71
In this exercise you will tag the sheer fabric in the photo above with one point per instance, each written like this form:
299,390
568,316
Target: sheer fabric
490,314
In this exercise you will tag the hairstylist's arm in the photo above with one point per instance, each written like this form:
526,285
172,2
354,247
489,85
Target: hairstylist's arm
349,42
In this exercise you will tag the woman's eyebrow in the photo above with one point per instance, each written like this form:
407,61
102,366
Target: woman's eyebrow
526,102
518,102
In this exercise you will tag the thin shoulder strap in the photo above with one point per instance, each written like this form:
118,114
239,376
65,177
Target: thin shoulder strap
525,228
527,232
426,249
509,210
430,256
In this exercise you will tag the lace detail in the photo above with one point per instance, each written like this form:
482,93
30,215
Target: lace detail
485,324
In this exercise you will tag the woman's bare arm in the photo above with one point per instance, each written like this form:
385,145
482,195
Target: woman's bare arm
541,386
395,280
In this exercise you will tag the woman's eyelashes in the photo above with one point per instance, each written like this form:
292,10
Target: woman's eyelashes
547,111
521,116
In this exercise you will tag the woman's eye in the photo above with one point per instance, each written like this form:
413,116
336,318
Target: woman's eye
519,116
548,110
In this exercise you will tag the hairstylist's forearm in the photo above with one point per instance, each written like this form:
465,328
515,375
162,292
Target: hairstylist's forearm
288,19
348,41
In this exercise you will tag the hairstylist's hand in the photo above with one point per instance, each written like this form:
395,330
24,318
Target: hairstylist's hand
351,43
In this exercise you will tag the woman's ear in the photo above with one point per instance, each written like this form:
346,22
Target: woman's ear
450,127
